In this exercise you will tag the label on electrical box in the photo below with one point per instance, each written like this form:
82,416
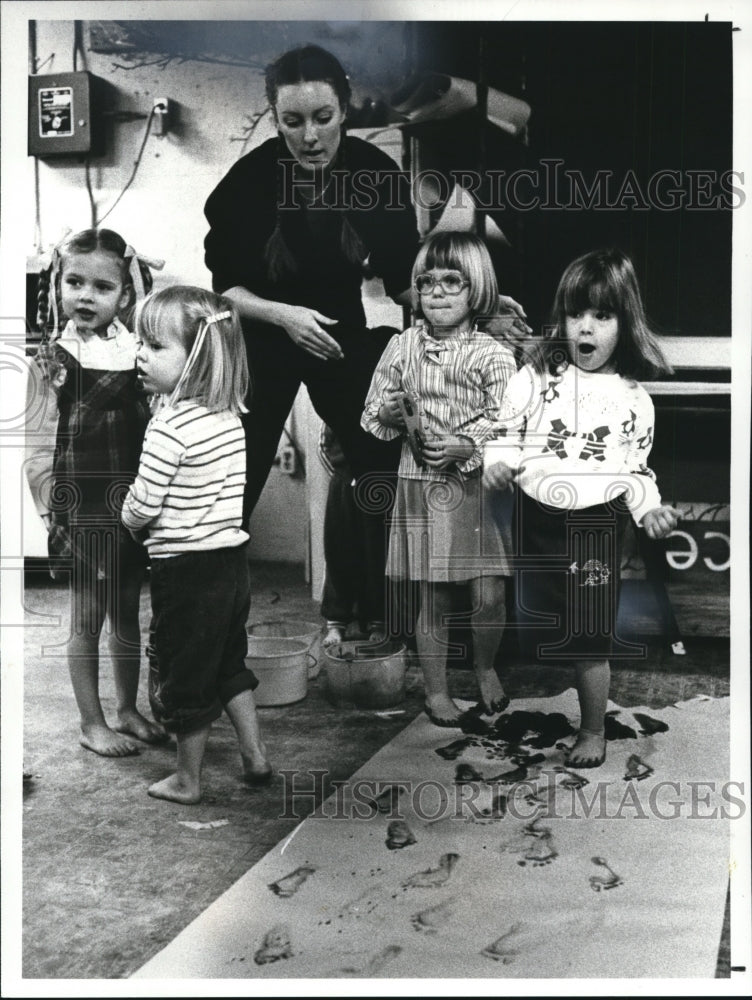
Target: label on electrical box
56,111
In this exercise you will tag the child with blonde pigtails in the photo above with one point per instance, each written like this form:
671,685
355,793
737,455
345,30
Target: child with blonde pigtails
84,395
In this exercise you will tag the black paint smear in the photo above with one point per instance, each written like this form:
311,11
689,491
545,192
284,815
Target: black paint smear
549,727
452,750
649,725
615,730
471,722
466,773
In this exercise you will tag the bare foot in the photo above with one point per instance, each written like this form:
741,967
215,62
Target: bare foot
589,750
333,637
131,722
441,710
106,742
175,789
256,768
493,698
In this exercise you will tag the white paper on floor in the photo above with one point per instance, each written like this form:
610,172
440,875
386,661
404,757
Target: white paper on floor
622,876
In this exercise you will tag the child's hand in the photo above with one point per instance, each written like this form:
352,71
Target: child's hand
389,413
441,452
498,476
660,522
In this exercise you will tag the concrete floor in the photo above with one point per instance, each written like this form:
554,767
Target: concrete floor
110,875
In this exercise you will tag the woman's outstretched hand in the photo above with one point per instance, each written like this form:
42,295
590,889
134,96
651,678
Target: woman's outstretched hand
303,327
660,522
511,323
441,452
498,476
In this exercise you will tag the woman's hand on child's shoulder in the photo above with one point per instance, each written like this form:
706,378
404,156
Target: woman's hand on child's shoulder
389,412
660,522
510,323
498,476
441,452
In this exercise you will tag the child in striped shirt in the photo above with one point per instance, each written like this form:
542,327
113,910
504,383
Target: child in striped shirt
442,533
188,498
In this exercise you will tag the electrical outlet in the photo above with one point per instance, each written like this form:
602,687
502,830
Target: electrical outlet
160,116
287,460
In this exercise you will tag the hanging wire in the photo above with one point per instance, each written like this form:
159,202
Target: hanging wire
136,165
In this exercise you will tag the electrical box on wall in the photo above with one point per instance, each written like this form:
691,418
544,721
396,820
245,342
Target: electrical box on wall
63,114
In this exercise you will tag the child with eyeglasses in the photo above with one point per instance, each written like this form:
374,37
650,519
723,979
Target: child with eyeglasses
448,376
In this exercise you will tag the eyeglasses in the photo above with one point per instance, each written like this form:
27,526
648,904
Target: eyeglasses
451,283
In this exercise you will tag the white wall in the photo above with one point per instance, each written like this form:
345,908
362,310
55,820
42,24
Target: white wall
161,214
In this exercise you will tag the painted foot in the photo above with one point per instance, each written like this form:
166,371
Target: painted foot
132,723
442,711
106,742
174,789
589,750
276,946
289,884
493,698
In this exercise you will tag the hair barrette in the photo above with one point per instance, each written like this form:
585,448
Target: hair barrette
216,317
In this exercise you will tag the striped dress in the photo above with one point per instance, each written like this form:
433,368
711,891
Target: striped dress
189,488
442,527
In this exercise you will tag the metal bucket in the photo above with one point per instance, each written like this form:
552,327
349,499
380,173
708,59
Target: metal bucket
303,631
281,666
366,675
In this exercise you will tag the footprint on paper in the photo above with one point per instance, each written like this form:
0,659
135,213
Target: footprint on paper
499,949
608,880
276,945
375,963
432,919
432,878
539,853
637,769
399,835
570,779
388,800
648,725
466,773
289,884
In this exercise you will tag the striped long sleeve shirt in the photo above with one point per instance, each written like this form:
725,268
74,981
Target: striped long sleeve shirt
457,382
189,488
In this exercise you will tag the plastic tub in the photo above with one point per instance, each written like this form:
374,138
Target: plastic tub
366,675
281,666
308,632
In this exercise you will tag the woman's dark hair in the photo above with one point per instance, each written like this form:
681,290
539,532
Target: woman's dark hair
606,279
87,241
307,64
